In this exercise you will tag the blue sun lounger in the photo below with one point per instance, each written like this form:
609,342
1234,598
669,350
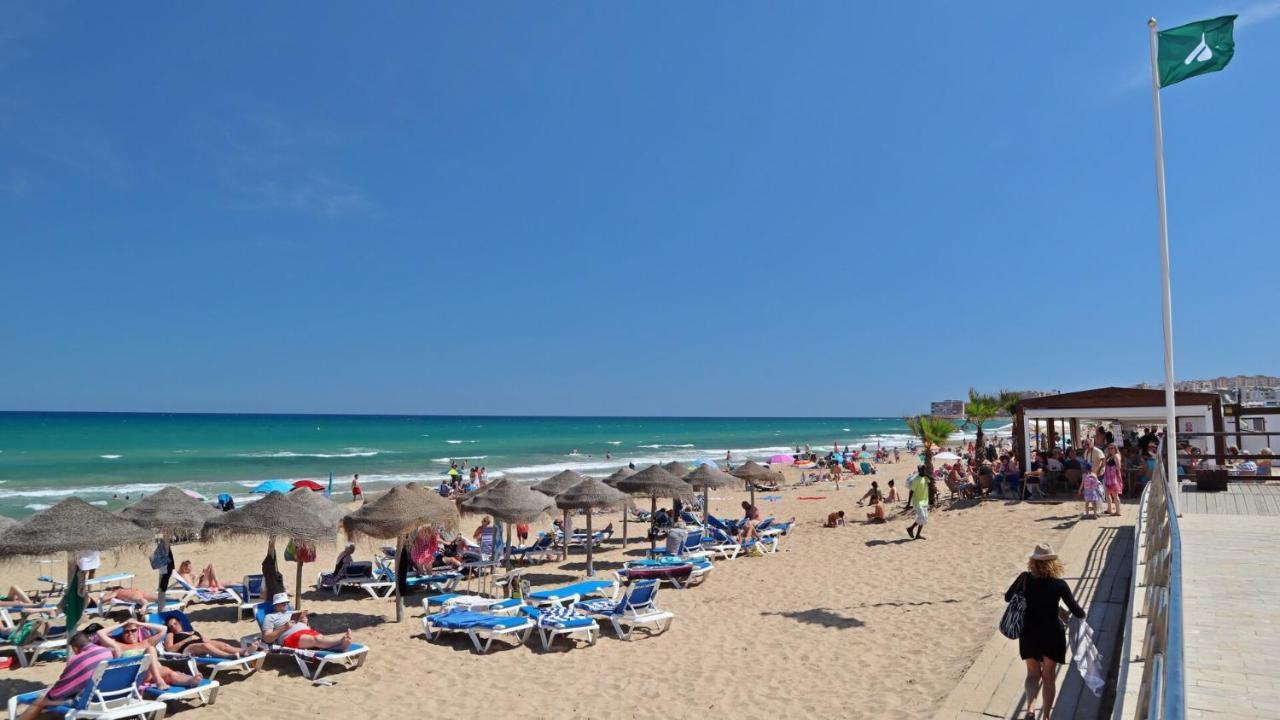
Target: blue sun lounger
555,622
351,658
635,608
247,664
112,692
569,594
478,626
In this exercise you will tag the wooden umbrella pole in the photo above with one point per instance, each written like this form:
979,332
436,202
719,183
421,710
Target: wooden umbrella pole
73,586
297,578
653,521
564,530
160,581
706,503
590,570
396,567
624,527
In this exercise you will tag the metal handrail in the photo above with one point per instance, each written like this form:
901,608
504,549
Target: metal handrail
1157,567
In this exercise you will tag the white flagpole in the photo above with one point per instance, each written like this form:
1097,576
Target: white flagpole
1171,421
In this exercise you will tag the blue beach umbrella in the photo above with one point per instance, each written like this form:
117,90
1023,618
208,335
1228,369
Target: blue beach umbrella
704,461
270,486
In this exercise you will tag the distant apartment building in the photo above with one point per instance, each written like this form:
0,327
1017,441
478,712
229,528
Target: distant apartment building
1235,382
947,408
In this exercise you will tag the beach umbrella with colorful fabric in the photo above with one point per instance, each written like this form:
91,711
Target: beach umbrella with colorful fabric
72,526
590,495
781,460
169,512
397,513
269,486
705,477
655,482
311,485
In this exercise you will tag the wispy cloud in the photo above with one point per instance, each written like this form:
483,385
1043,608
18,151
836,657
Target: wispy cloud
52,138
265,161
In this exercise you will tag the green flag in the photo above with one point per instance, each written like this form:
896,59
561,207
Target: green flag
1194,49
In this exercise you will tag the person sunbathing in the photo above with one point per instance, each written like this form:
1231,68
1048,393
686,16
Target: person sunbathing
750,519
293,630
85,657
191,642
132,643
208,577
891,495
877,502
135,596
17,597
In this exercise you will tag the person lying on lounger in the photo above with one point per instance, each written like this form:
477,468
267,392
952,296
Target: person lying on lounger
136,596
208,577
292,629
17,597
85,656
181,642
132,643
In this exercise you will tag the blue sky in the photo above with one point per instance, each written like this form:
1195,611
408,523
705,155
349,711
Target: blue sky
604,208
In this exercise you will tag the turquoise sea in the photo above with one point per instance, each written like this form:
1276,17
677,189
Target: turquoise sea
111,458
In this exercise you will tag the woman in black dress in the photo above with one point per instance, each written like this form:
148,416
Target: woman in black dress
1043,643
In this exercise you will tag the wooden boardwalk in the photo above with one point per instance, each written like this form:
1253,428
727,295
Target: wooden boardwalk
1099,556
1232,628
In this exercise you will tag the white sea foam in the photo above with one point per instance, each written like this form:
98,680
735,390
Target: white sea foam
615,442
98,502
660,446
446,461
460,442
37,506
346,453
110,457
129,489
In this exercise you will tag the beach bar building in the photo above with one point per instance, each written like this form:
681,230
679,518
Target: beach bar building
1043,422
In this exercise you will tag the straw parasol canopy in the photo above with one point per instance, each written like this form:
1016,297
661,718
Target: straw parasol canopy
655,482
170,510
619,474
559,482
509,501
6,522
399,511
71,526
676,468
705,477
753,472
590,495
273,516
329,511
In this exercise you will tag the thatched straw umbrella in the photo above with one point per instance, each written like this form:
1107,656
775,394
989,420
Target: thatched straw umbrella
6,522
655,482
555,485
592,494
752,472
399,511
169,511
273,516
329,512
706,477
71,526
676,468
612,481
509,502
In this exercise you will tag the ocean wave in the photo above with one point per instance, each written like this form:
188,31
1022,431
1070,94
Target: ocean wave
459,457
130,489
661,446
37,506
459,442
614,442
347,453
110,457
98,502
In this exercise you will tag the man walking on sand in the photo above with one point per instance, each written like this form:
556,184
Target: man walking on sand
919,490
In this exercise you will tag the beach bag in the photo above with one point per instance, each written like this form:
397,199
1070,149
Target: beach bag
1015,613
160,557
304,552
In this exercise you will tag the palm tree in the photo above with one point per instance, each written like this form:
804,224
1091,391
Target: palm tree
980,408
931,431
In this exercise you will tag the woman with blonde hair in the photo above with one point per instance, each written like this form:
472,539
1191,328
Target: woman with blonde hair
1043,642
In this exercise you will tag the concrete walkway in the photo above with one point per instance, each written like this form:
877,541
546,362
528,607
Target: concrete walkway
1098,556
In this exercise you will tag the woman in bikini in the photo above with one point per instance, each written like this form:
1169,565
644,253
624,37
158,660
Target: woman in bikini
132,643
208,577
191,642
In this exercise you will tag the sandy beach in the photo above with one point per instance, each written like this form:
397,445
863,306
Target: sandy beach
857,621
